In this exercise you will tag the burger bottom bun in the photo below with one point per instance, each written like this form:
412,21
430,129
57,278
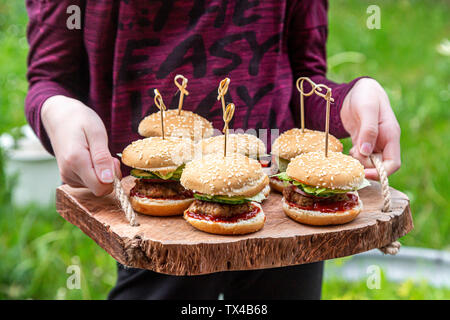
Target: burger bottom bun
276,185
316,218
160,207
240,227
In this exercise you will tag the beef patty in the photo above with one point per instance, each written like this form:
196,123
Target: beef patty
219,209
291,195
161,190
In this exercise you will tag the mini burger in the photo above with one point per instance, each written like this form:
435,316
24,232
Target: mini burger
246,144
323,190
227,192
186,124
294,142
157,166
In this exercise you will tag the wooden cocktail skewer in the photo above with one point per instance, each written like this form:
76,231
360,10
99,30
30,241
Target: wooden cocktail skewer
315,88
182,89
222,91
227,116
299,85
162,107
329,99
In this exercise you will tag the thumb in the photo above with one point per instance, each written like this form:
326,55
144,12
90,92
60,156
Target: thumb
117,168
368,131
102,160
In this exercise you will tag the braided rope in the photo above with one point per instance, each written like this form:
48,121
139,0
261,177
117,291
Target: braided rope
394,247
125,203
384,182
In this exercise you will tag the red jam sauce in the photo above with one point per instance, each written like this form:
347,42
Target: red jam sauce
329,206
243,216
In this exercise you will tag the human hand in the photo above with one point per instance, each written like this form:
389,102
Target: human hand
368,117
80,143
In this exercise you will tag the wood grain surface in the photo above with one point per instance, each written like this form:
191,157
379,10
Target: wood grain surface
172,246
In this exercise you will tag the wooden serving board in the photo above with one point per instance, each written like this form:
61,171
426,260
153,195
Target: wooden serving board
172,246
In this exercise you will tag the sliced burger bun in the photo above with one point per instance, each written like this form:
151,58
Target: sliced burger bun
294,142
316,218
229,228
336,171
266,191
158,154
246,144
233,175
187,124
160,207
276,185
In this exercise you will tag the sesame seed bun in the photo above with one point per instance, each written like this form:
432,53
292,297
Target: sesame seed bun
233,175
240,227
187,124
160,207
157,154
337,171
317,218
293,142
246,144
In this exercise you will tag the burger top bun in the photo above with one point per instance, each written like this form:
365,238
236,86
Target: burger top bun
233,175
337,171
187,124
158,154
293,142
246,144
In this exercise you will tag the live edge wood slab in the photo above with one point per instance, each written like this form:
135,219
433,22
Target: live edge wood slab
172,246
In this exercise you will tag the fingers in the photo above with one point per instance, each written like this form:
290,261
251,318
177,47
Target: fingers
371,174
369,169
368,131
117,168
77,170
390,140
378,128
80,145
101,158
391,154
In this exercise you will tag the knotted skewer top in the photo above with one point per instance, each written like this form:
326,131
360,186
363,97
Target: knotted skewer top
222,91
227,116
317,89
182,88
162,107
299,85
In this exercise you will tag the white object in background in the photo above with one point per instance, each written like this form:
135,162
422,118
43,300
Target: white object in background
410,263
38,174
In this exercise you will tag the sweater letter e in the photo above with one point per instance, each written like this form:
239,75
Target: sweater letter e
74,20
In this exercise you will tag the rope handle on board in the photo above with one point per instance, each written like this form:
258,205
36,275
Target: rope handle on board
125,203
394,247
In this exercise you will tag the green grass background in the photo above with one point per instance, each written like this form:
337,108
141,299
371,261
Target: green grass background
37,245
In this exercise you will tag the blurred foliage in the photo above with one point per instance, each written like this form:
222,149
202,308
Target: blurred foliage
337,289
37,245
404,58
13,65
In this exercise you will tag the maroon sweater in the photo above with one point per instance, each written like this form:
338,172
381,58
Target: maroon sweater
127,48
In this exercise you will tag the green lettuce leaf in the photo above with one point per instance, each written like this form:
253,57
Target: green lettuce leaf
317,191
144,174
220,199
230,200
